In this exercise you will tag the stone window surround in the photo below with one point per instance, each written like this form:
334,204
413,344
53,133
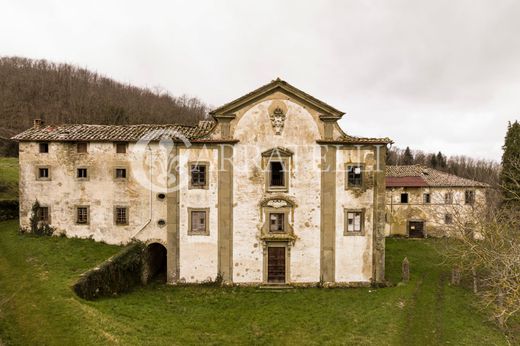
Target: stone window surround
37,173
116,147
76,215
363,175
116,178
87,144
408,198
81,178
286,162
281,243
49,219
198,187
206,232
127,215
41,145
286,211
427,198
345,217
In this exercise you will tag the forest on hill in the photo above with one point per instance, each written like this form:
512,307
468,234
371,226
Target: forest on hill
63,93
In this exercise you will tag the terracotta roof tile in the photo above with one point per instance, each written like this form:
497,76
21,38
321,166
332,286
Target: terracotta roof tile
432,177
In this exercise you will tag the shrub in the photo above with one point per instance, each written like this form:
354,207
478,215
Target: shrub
8,209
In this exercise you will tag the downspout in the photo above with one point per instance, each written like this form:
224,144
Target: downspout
151,185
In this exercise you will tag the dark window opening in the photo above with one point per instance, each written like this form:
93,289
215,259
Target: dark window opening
43,214
448,219
354,176
469,197
155,263
121,216
277,174
198,175
43,172
448,198
121,148
82,215
44,148
427,198
161,196
82,173
121,173
404,198
276,222
81,147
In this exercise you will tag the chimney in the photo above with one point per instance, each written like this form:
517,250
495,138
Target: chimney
37,123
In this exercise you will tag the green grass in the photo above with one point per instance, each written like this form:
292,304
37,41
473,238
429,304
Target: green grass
8,178
37,305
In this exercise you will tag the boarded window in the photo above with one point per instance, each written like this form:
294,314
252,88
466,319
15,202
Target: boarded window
198,175
448,219
43,173
82,215
81,147
427,198
276,222
82,173
354,176
469,197
404,198
448,198
43,214
120,173
44,148
121,215
121,148
277,174
354,221
198,221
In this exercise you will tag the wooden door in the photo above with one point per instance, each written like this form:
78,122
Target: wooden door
416,229
276,264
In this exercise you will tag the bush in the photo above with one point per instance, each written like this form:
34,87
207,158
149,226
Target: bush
116,275
8,209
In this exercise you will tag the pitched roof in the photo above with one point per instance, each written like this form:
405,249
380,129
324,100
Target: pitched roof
127,133
404,176
273,86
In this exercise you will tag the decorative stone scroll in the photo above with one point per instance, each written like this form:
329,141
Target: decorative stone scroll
277,120
277,203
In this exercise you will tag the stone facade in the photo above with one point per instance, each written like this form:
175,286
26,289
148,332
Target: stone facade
240,203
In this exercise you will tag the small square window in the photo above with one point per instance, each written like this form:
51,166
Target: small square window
427,198
404,198
121,215
81,147
354,176
43,214
121,148
354,222
82,173
198,175
44,148
448,219
120,173
276,222
469,197
198,221
43,173
82,215
448,198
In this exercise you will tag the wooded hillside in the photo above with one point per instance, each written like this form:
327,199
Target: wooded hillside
62,93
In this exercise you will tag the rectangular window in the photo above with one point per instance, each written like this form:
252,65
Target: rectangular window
404,198
82,215
121,148
427,198
276,222
43,214
354,222
81,173
277,174
198,175
448,198
354,176
120,173
44,148
448,219
198,221
469,197
43,173
121,215
81,147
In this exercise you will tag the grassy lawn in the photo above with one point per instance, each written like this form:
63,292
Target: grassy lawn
37,305
8,178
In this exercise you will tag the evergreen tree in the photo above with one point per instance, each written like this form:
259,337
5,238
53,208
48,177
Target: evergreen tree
433,161
407,157
441,160
510,175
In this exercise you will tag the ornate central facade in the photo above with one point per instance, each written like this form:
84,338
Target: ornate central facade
271,191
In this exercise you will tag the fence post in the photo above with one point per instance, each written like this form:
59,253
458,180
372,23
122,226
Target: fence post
406,270
455,276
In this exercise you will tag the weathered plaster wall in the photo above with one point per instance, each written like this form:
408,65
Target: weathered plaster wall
101,192
253,128
354,252
399,214
198,253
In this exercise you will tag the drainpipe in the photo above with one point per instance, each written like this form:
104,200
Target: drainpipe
151,185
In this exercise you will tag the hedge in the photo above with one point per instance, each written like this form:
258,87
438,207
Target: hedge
116,275
8,209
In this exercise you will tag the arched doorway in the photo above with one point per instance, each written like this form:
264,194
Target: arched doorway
154,268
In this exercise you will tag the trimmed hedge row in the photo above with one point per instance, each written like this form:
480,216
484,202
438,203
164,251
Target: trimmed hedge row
116,275
8,209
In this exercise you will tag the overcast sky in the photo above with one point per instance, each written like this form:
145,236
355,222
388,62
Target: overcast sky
433,75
